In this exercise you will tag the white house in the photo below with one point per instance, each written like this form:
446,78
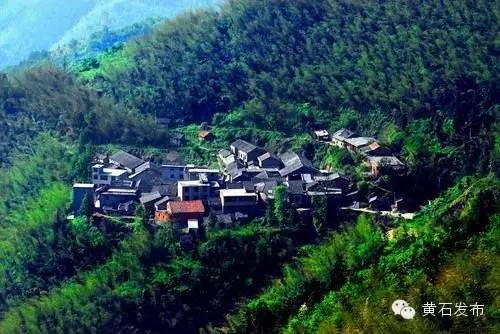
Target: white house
104,176
193,190
237,198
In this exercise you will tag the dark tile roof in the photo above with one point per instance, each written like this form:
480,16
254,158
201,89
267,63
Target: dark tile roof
234,185
343,134
293,162
147,181
126,160
360,141
248,186
266,186
127,206
234,169
261,176
330,177
244,146
295,187
386,161
162,203
317,187
149,197
126,184
167,189
145,166
268,155
225,153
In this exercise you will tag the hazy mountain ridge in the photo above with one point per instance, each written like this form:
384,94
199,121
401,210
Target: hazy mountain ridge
32,25
116,14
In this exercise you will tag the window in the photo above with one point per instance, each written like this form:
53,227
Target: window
95,176
104,177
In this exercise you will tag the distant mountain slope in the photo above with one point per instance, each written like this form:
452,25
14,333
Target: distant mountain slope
116,14
34,25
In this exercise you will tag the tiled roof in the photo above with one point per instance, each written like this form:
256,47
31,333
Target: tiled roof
244,146
296,187
268,155
145,166
343,134
293,162
178,207
126,160
162,203
360,141
386,161
329,177
166,189
149,197
224,153
266,186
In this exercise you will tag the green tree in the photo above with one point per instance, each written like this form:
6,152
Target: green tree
320,214
87,206
280,204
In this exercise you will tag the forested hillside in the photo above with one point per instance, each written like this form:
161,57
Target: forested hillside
409,73
421,76
404,58
449,252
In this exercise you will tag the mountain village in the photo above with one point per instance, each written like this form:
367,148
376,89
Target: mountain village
189,196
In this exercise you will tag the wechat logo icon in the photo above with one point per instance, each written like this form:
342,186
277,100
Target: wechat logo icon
402,308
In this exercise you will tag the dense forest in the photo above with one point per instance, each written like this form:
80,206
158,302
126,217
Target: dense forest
422,76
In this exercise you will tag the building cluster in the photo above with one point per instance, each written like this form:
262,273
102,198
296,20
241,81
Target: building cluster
378,158
188,195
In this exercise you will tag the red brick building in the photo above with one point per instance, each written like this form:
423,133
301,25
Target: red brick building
181,211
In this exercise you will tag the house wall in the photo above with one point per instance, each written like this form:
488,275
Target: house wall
338,143
172,173
189,193
194,176
99,177
161,216
253,155
229,202
113,200
78,197
183,217
242,156
380,151
270,163
299,200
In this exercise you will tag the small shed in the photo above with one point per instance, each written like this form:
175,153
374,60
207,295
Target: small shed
321,135
205,135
